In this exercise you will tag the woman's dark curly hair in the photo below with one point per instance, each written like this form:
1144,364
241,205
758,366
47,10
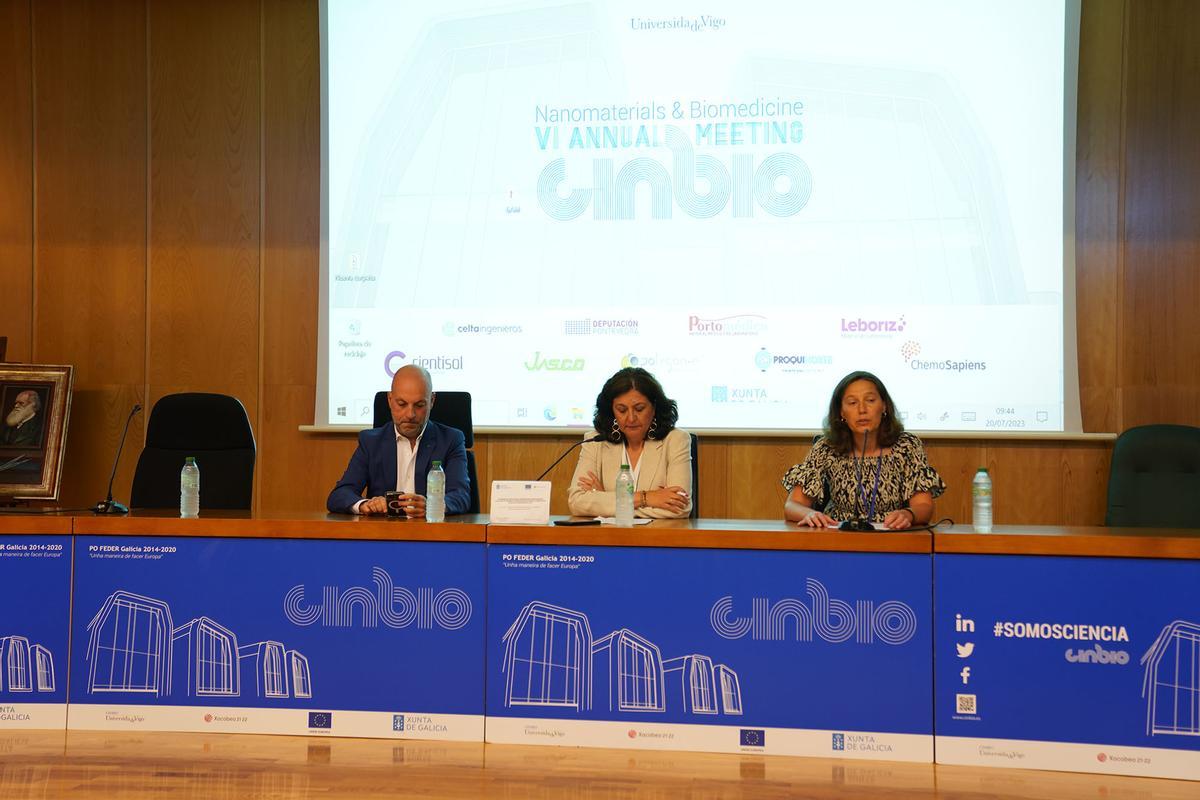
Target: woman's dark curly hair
666,413
837,432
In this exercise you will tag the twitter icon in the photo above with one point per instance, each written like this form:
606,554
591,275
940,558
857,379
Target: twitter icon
965,650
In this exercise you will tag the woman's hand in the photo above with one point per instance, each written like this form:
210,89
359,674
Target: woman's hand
899,519
590,483
669,498
819,520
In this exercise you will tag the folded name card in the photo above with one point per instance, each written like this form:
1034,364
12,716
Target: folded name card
520,502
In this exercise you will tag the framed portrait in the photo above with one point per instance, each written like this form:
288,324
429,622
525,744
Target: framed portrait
35,406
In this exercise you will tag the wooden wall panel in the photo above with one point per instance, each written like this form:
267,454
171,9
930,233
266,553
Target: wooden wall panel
956,461
91,222
205,129
1098,211
1161,291
290,279
16,178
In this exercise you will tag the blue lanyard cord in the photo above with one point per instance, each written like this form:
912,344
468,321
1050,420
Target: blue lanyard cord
862,492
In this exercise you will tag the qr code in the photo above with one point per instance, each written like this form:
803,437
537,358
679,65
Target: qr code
966,704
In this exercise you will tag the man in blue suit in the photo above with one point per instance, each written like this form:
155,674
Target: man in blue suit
397,456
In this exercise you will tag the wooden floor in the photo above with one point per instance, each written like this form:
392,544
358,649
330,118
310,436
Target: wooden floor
141,765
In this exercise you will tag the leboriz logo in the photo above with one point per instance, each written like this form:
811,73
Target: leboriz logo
857,326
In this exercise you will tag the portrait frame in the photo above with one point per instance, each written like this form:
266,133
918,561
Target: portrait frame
35,407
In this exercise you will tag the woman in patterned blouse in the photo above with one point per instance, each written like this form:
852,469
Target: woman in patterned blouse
865,466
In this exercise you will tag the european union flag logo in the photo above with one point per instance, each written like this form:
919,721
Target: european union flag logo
320,719
839,741
753,737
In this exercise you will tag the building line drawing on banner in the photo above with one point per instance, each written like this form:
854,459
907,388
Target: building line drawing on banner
547,658
133,647
1171,684
128,645
690,679
551,660
627,672
204,653
25,667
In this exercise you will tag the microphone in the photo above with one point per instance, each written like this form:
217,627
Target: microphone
861,524
597,438
109,506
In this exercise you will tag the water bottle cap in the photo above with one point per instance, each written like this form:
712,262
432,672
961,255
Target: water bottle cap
624,466
981,469
437,464
190,460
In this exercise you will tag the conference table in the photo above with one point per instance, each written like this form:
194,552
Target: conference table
1038,647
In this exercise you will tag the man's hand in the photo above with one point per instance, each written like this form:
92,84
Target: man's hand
376,505
413,505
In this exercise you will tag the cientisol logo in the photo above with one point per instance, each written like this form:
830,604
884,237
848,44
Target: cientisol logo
442,363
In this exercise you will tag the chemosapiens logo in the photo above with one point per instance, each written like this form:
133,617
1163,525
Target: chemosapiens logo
443,363
946,365
736,325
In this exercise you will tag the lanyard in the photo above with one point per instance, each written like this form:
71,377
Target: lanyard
862,490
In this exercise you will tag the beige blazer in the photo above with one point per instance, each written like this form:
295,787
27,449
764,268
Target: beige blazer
664,462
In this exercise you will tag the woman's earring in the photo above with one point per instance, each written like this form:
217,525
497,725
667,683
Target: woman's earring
653,426
616,432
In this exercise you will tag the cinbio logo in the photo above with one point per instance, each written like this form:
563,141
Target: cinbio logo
1097,655
394,606
832,620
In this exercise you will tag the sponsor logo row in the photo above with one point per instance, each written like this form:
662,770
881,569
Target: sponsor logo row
692,325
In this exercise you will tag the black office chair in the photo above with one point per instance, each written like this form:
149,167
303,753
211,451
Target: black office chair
212,427
454,410
1154,478
695,477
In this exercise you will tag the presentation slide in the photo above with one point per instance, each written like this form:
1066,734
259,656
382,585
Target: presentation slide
749,202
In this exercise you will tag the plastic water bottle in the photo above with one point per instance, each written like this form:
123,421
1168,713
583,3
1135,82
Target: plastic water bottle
981,508
435,494
189,489
625,497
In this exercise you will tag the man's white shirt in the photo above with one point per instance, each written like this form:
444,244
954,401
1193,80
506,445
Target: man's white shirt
406,465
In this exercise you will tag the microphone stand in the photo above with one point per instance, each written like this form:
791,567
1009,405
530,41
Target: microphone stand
860,524
108,505
597,438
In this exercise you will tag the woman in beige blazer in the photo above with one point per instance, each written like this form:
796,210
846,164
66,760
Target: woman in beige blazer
637,420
